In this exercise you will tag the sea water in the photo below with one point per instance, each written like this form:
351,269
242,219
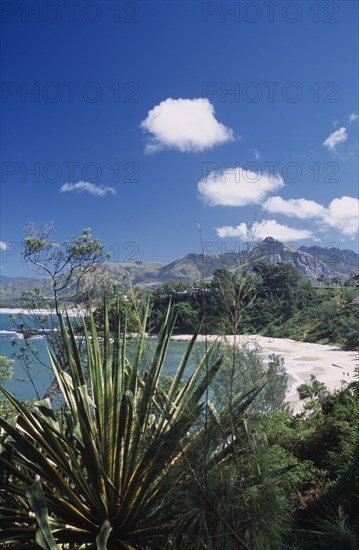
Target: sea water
39,369
39,372
31,379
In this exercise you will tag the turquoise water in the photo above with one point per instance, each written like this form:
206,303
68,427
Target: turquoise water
19,385
42,375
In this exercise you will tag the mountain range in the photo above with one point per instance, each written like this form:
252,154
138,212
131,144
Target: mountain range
313,262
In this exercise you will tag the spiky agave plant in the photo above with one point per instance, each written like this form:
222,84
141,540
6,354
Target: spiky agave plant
103,478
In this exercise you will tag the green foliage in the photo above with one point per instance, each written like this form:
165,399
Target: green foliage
6,373
314,389
242,367
66,264
337,323
129,308
137,460
231,296
325,440
333,530
186,318
274,300
112,474
253,484
69,267
280,293
6,370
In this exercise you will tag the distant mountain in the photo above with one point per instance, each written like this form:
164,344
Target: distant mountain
343,262
7,279
140,273
11,291
312,261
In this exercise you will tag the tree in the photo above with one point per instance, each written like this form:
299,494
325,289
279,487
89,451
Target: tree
249,366
6,373
232,293
353,280
68,267
281,292
187,318
6,370
336,281
314,389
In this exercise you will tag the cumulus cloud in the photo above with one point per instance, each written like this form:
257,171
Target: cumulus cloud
300,208
3,245
87,187
341,214
334,139
184,124
353,117
263,229
238,187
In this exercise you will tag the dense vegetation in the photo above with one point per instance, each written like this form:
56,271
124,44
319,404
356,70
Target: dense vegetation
128,458
274,300
214,461
254,297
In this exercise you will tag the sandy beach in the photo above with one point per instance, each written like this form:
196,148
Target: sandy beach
330,364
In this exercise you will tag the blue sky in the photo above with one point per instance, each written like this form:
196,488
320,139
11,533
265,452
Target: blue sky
143,120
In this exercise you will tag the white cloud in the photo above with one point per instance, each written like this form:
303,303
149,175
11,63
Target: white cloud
233,231
263,229
3,246
342,213
299,208
87,187
333,140
238,187
353,117
184,124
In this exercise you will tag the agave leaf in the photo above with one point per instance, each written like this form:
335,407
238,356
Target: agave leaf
45,409
107,435
182,366
36,497
102,537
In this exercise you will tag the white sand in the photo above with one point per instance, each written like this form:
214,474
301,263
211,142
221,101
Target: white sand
330,364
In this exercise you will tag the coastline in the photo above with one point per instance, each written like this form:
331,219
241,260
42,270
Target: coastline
18,310
330,364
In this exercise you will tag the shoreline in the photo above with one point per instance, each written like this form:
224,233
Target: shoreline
330,364
19,310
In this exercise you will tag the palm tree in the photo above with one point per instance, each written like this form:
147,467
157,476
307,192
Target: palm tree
103,476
